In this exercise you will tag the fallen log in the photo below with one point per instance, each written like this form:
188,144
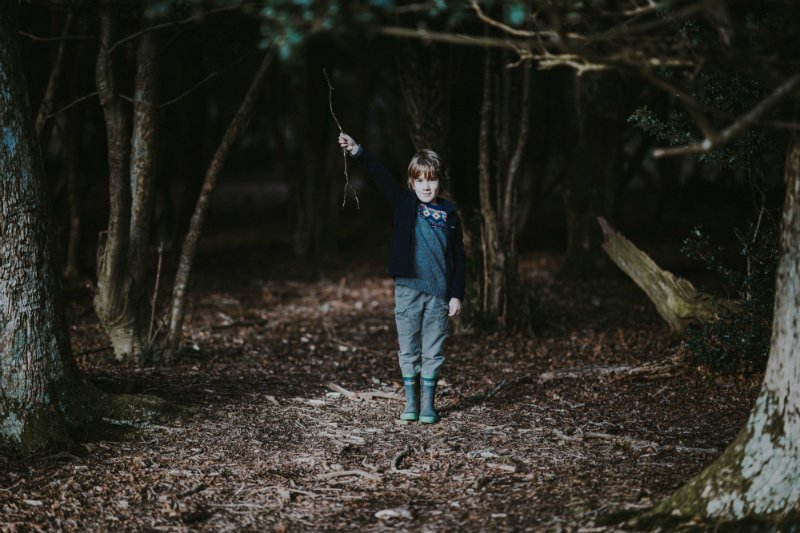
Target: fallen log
678,302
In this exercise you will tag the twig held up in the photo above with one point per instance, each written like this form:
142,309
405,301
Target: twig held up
344,152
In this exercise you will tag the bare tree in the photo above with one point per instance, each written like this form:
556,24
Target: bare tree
124,252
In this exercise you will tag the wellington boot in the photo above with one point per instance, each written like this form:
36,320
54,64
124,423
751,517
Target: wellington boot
427,412
411,386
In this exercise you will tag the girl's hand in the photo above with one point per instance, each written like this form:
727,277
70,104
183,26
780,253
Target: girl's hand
455,306
348,143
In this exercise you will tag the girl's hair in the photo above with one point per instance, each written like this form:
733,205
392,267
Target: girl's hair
425,164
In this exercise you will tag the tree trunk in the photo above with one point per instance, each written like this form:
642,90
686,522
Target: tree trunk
121,298
73,128
46,107
425,84
759,474
34,346
596,166
74,131
113,284
44,399
177,306
498,230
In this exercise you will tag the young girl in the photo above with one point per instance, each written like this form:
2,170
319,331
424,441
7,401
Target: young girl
428,265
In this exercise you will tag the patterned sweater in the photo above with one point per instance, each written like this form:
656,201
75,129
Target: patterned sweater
430,243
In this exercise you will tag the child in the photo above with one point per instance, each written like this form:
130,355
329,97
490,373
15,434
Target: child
428,265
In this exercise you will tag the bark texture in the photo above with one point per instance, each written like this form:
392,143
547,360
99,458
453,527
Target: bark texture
759,474
426,85
33,336
121,297
44,399
676,299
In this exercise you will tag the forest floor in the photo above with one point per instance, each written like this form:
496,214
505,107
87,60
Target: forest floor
297,392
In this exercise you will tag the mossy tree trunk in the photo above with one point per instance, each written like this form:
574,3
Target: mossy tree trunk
759,474
44,399
34,367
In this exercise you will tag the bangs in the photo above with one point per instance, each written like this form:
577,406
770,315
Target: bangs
425,172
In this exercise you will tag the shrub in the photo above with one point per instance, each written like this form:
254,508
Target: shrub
740,340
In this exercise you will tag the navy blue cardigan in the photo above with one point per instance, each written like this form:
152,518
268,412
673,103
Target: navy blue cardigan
404,204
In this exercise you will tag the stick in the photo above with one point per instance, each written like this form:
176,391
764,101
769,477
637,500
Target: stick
96,350
195,490
343,473
341,390
155,293
364,395
381,394
344,152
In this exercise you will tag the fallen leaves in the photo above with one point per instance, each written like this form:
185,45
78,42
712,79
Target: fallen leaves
300,394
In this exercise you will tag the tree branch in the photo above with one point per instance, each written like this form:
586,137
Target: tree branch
716,141
172,24
194,87
461,39
74,102
508,29
46,105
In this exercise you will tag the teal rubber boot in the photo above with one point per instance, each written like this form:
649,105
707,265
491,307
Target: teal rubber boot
411,412
427,413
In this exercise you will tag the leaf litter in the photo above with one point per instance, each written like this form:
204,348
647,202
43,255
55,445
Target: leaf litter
299,394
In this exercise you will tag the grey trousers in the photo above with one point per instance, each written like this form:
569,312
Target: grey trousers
421,331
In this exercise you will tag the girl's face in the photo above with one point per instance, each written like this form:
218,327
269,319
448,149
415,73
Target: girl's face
427,190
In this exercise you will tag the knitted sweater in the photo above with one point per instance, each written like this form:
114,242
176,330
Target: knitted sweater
430,243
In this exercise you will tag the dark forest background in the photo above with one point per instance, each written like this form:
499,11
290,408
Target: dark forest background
587,153
283,184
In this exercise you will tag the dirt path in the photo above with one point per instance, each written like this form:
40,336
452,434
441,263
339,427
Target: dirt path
276,448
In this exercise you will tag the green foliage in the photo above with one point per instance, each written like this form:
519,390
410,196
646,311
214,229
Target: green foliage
730,96
516,14
740,340
674,130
